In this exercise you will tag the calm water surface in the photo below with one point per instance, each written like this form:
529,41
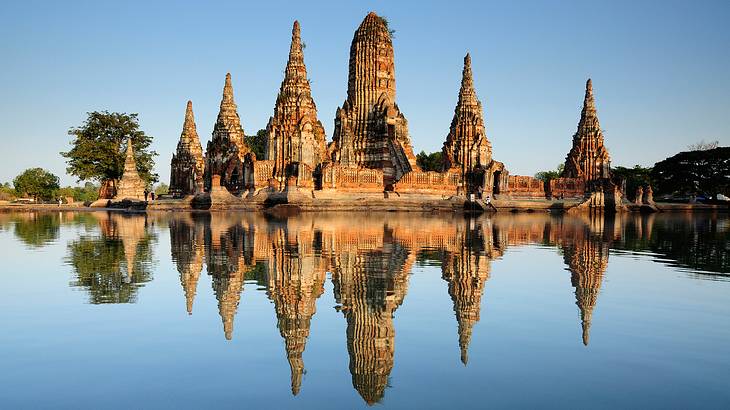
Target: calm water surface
112,310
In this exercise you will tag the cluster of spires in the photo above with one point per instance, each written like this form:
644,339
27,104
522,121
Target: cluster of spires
370,131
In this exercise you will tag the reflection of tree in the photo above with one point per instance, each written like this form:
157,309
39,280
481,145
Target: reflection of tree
697,241
37,229
113,265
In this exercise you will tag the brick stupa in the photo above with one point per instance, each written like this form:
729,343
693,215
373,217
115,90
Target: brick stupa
466,146
187,165
130,186
588,159
294,134
370,131
226,150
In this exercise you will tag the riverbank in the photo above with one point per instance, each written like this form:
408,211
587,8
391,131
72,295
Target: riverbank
352,203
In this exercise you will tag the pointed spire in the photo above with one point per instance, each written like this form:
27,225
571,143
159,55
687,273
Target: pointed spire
295,51
228,124
588,116
296,71
189,140
467,81
589,103
130,164
467,95
588,159
228,90
189,118
466,145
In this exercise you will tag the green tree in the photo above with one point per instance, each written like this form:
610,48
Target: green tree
696,172
37,183
635,177
257,143
546,176
7,192
162,189
87,193
430,162
99,146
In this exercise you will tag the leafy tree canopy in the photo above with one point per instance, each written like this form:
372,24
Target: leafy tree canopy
37,183
162,189
99,146
697,172
430,162
548,175
257,143
635,177
87,193
7,192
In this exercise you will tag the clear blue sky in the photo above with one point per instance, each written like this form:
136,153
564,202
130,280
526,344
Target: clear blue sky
661,70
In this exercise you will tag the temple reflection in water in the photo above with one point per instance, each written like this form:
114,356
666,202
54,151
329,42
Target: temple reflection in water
369,263
368,260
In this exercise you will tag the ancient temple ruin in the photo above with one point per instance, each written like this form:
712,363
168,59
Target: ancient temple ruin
227,149
588,159
467,151
131,185
187,166
370,131
295,138
370,156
